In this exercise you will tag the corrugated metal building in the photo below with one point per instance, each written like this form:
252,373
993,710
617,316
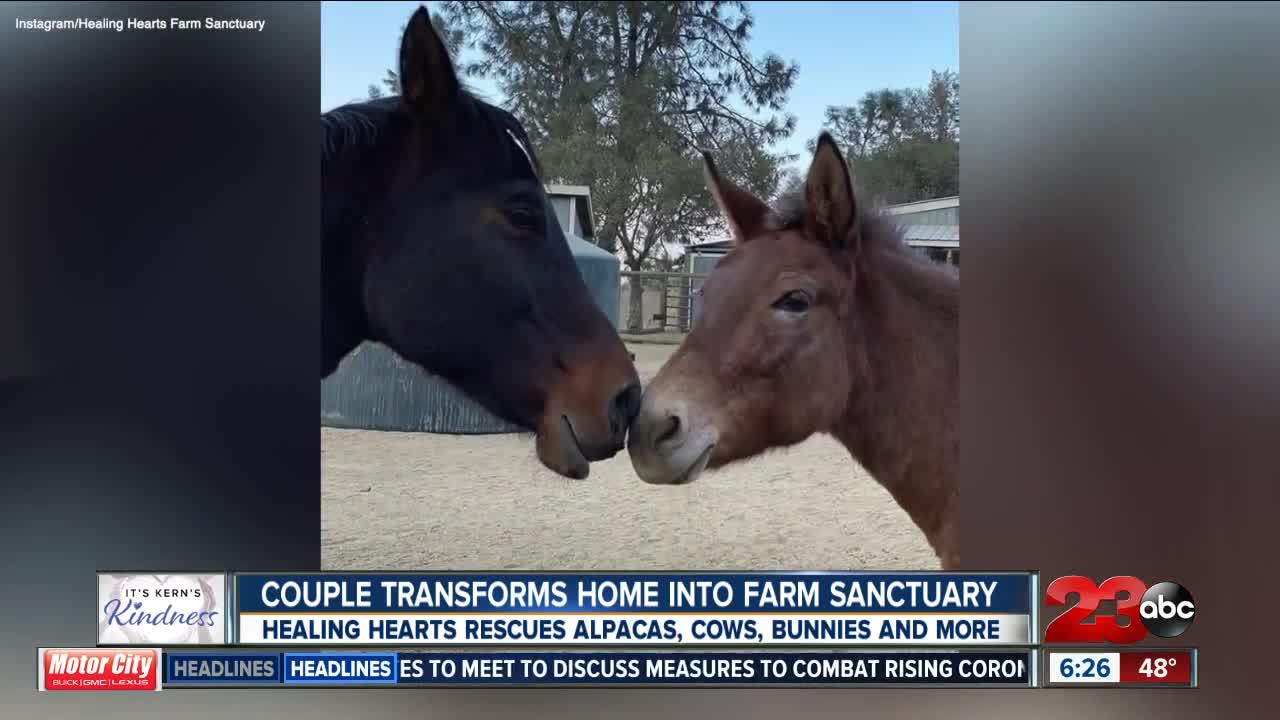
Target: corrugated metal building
932,226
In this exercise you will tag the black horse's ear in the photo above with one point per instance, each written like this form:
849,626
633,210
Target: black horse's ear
746,214
830,208
427,77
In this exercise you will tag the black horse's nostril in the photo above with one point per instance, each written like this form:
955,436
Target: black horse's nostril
633,394
626,404
673,427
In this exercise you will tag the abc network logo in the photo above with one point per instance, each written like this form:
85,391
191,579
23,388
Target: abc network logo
1165,609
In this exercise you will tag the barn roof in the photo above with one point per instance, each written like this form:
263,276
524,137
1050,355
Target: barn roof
932,235
924,205
918,235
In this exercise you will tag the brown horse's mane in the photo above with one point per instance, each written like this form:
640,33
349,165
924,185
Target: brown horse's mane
881,240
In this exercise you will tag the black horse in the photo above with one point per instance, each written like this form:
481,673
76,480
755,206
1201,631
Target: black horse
440,242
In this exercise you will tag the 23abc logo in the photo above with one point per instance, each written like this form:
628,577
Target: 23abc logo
1166,609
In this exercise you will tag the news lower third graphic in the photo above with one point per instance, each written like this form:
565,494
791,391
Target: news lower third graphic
692,629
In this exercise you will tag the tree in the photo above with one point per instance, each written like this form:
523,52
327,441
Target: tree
391,81
621,95
904,145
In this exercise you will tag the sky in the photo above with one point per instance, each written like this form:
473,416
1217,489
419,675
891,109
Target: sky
844,49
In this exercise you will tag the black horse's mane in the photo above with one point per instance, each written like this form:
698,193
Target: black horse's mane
357,126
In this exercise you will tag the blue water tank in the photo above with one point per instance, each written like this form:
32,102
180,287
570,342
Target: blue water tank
375,389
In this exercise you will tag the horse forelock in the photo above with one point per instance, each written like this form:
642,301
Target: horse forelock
514,132
873,226
355,126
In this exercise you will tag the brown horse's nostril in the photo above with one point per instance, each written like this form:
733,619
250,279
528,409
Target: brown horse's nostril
673,427
625,406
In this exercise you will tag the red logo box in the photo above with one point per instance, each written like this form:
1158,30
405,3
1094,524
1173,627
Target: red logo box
1164,609
135,669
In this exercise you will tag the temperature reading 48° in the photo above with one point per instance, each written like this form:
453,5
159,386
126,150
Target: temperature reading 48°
1157,667
1165,667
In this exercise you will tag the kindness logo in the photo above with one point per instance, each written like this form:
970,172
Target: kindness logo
148,609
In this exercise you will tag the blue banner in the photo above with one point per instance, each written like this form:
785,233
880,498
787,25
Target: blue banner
1005,669
799,592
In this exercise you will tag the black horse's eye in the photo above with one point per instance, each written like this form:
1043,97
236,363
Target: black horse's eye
796,301
524,219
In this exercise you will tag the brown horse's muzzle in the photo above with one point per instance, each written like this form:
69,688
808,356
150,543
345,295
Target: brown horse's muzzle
588,414
672,439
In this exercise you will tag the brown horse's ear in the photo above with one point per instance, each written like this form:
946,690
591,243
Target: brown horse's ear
427,77
745,213
830,208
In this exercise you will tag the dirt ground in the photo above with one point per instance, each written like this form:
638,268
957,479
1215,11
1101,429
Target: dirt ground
416,501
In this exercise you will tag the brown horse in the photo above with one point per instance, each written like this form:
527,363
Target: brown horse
821,319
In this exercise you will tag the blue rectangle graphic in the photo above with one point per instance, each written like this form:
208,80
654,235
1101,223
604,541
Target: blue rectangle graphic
222,668
782,592
340,668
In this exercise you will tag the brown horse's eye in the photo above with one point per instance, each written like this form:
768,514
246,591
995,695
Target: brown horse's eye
796,301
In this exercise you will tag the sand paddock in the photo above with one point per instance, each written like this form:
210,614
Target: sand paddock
415,501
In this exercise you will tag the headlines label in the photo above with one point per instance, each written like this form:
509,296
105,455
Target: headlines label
340,668
222,669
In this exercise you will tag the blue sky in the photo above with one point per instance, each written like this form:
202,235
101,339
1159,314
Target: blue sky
844,49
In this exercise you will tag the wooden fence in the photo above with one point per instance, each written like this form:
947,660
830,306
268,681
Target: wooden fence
667,301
